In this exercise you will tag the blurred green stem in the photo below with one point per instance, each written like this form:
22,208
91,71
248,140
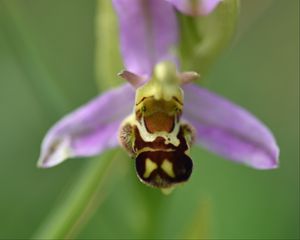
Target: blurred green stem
69,216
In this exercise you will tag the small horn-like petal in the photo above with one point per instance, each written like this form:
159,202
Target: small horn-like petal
134,79
89,130
188,77
229,130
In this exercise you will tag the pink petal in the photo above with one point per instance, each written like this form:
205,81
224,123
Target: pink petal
88,130
148,31
229,130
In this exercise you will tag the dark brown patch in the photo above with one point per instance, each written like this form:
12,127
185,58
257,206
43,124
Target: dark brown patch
182,168
182,163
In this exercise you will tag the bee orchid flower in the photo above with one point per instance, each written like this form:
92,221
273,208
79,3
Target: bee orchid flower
159,113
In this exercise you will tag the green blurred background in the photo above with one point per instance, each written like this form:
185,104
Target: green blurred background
47,52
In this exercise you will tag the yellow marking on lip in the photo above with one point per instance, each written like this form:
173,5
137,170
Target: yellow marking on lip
150,166
167,166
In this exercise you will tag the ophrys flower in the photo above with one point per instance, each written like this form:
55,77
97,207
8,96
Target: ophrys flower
154,134
158,133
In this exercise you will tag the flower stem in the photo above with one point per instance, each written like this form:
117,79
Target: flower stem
69,216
